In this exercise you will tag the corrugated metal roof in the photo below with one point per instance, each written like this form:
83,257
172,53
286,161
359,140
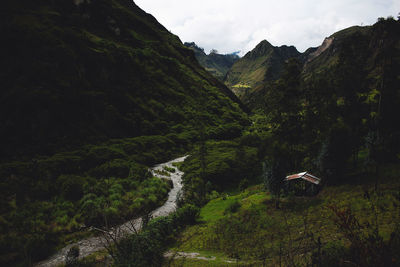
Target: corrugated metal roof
295,176
305,176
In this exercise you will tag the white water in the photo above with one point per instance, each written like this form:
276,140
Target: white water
93,244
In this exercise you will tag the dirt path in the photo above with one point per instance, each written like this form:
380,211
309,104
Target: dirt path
93,244
194,255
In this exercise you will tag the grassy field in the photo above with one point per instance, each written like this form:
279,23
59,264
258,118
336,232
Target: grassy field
246,227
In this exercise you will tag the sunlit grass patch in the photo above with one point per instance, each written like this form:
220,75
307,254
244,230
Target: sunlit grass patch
215,209
240,85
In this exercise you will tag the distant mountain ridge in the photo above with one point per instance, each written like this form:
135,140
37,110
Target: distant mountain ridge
215,63
264,64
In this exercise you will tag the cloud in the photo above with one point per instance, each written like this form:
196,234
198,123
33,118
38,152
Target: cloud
232,25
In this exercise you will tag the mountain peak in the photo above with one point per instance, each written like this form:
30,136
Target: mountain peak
262,49
264,43
264,63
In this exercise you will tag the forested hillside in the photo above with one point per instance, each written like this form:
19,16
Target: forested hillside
264,63
74,73
93,92
341,102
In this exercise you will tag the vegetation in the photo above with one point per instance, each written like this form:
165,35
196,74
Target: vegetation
93,92
264,63
216,166
326,117
146,248
218,65
73,191
336,227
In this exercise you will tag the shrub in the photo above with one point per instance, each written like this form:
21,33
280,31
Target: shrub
233,207
71,259
187,214
168,169
139,250
71,186
243,184
147,247
367,247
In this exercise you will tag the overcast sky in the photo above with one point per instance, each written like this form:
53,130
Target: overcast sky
233,25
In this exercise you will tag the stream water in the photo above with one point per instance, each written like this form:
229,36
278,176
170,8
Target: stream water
93,244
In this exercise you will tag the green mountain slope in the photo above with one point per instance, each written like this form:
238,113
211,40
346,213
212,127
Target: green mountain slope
217,64
78,73
327,54
93,92
340,105
264,63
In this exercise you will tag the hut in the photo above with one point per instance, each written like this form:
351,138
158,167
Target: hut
302,184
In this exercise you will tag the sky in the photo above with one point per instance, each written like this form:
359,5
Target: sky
239,25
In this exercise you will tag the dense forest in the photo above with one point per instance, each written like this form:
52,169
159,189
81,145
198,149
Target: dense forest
94,93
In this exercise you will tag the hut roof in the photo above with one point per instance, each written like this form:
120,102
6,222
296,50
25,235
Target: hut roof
305,176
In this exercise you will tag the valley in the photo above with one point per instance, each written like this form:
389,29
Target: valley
95,93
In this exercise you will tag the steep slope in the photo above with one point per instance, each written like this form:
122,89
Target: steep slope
217,64
92,93
326,55
264,63
81,71
341,104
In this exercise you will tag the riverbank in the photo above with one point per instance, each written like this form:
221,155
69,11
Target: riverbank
94,244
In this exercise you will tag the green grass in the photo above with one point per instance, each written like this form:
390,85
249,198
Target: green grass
215,209
258,223
240,85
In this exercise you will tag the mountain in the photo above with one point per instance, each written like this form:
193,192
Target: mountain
217,64
327,53
77,73
93,92
339,103
363,46
264,63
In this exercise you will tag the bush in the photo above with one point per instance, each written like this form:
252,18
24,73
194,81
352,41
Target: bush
187,214
367,247
139,250
233,207
71,259
243,184
71,186
168,169
147,247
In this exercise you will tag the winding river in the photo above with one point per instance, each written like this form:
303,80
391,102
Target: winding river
93,244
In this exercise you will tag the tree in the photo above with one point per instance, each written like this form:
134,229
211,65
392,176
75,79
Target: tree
274,174
334,154
71,259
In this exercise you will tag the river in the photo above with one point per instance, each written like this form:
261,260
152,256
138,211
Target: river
93,244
